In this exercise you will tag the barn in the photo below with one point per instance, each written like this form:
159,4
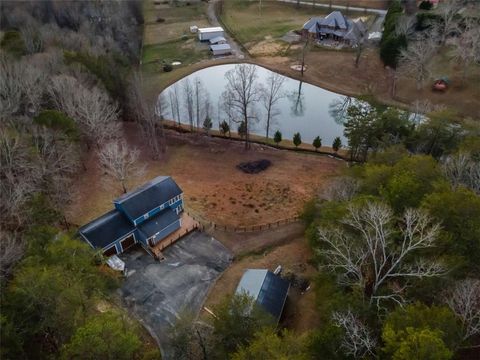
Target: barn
269,290
205,34
145,216
220,49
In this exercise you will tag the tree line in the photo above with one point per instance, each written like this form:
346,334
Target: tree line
65,87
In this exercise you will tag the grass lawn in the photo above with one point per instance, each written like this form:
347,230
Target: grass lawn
250,25
170,40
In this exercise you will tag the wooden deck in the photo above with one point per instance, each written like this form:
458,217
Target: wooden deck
188,225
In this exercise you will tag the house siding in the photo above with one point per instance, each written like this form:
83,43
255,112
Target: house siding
166,231
155,211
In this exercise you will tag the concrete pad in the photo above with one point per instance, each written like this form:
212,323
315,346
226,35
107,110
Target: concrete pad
157,291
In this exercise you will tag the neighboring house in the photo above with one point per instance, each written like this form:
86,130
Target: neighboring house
335,26
269,290
144,216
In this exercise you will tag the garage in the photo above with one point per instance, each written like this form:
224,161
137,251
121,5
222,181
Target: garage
128,242
110,251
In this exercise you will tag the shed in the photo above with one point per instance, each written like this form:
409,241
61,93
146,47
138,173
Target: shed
269,290
218,40
221,49
205,34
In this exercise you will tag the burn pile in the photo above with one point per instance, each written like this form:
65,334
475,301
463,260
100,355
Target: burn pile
254,167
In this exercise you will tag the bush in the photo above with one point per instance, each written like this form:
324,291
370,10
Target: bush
167,68
426,5
12,42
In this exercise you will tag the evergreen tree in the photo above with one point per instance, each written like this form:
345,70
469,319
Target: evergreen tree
317,143
337,144
297,139
277,137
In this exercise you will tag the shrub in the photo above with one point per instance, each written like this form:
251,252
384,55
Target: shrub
167,67
426,5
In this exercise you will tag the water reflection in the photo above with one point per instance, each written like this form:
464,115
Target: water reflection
304,108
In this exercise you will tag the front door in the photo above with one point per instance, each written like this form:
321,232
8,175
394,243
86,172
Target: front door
127,242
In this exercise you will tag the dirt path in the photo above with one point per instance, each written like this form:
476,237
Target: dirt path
213,19
244,243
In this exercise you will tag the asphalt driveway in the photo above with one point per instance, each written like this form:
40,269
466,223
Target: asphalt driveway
157,291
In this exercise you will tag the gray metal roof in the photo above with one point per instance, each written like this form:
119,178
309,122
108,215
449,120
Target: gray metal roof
220,47
217,39
210,29
106,229
149,196
269,291
158,222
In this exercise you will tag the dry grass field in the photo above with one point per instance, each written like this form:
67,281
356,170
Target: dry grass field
205,169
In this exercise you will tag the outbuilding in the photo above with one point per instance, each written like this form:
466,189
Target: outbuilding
218,40
205,34
220,49
270,291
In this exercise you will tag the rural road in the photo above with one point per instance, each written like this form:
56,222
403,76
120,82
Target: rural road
212,18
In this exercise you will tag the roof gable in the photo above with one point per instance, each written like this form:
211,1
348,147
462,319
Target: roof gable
268,289
148,197
106,229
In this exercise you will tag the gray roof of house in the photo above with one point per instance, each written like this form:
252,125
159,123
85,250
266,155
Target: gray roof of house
335,19
106,229
269,290
158,222
149,196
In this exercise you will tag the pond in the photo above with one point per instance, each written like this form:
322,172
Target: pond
302,108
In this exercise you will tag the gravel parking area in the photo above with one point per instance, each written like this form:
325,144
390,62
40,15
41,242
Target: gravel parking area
157,291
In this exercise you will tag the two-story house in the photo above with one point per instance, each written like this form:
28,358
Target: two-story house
335,26
145,215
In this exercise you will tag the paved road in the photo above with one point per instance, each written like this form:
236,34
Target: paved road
212,18
157,291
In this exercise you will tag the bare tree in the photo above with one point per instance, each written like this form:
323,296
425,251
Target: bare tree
11,90
271,94
199,95
405,26
91,108
447,24
369,254
148,115
338,108
174,96
120,162
188,97
31,37
18,177
342,189
244,92
462,169
464,301
11,250
467,46
358,341
415,60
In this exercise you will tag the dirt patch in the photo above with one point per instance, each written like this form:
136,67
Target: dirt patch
300,313
205,169
267,47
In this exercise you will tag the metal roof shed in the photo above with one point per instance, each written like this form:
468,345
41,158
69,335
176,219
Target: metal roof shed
221,49
205,34
218,40
269,290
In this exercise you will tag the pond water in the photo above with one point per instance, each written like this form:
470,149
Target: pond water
304,108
